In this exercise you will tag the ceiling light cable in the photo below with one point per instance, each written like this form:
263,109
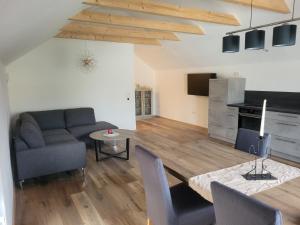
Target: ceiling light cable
293,13
251,13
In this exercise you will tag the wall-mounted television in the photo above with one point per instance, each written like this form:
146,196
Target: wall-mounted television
198,83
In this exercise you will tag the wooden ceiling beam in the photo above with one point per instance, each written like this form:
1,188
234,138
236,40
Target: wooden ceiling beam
103,18
272,5
165,9
102,29
119,39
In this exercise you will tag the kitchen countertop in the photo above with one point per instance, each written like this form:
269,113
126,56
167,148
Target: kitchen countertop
270,108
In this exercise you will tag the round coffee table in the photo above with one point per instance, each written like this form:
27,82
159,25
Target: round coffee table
99,137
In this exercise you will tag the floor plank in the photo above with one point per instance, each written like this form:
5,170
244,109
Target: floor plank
112,192
86,209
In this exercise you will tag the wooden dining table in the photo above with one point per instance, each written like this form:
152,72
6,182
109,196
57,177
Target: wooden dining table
209,156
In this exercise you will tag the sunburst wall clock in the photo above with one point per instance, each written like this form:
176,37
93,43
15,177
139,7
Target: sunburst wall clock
87,61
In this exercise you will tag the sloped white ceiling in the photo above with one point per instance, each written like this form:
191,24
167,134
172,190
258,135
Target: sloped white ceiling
197,51
24,24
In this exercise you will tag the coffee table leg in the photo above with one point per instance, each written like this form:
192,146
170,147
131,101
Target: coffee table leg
96,150
127,148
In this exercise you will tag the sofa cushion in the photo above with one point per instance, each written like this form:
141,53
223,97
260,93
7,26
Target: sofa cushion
55,132
31,135
52,119
29,118
18,142
56,139
80,117
81,131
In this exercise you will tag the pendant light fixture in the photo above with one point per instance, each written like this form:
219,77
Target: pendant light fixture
285,34
231,43
254,39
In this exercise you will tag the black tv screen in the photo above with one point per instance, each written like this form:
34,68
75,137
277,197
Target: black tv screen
198,83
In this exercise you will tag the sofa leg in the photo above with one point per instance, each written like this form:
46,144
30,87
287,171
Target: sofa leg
83,171
21,184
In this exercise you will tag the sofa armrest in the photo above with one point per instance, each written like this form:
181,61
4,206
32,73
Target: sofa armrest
50,159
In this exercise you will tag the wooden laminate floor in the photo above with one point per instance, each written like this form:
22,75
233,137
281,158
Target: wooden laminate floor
112,193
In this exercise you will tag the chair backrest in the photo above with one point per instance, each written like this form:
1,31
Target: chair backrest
235,208
158,197
248,141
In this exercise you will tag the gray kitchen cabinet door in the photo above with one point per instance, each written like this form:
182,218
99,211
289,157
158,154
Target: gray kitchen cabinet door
283,128
288,117
232,118
223,120
231,134
216,110
218,88
236,90
285,145
216,130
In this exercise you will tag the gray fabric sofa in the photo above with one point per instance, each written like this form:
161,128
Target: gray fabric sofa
48,142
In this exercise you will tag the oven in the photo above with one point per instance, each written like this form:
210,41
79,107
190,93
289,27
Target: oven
250,118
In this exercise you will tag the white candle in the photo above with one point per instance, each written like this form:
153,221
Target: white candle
263,116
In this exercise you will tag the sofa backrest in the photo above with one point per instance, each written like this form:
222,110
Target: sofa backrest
31,134
79,117
18,143
29,118
26,136
51,119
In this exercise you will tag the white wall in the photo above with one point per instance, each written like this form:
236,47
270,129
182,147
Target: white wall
174,103
49,77
6,181
271,76
144,75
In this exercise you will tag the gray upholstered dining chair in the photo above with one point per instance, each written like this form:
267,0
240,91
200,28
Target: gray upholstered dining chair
247,141
235,208
178,205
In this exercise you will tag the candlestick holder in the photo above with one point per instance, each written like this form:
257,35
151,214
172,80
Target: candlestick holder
259,172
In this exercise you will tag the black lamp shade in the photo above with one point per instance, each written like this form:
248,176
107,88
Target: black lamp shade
255,40
231,43
284,35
